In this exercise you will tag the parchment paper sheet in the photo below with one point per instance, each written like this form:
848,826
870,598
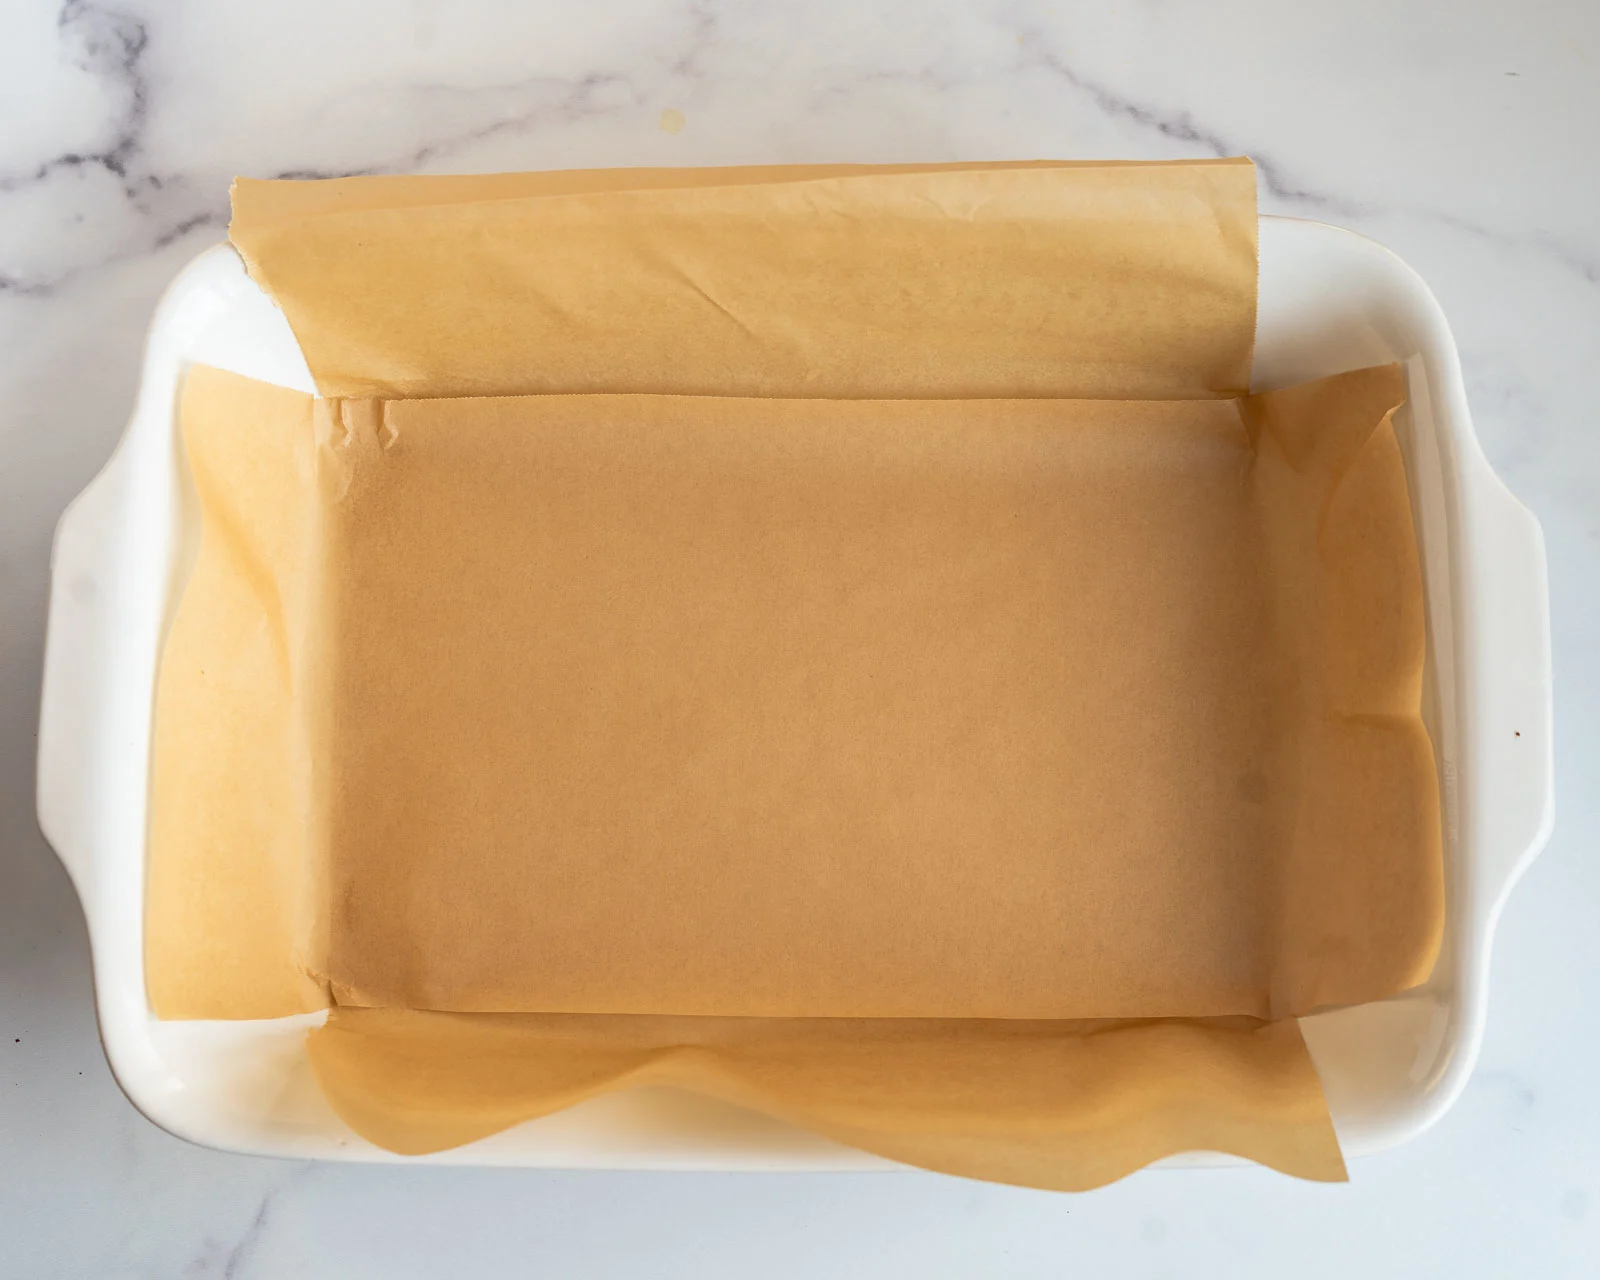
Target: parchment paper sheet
1066,1106
915,714
954,280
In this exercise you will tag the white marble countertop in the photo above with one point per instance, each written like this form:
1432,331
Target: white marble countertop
1460,134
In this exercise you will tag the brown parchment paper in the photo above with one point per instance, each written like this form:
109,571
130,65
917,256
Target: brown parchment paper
1197,1090
226,883
1232,584
951,280
843,707
1031,709
1066,1106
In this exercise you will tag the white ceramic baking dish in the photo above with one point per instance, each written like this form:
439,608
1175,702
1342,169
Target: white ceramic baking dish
1329,301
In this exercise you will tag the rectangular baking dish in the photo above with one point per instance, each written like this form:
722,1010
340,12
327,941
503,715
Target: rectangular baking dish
1329,301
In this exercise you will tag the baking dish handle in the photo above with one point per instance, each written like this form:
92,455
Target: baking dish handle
1513,808
78,650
